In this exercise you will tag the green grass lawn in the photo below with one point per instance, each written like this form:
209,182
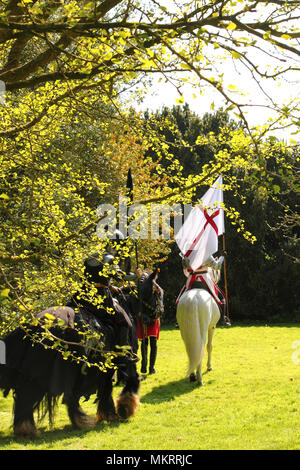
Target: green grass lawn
249,401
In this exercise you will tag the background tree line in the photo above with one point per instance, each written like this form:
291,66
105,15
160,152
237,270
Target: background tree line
263,278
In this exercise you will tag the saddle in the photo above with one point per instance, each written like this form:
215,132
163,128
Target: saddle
199,285
118,309
66,314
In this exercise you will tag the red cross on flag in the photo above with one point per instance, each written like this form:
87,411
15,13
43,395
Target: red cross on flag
197,239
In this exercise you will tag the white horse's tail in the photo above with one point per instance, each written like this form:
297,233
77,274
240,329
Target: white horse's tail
192,328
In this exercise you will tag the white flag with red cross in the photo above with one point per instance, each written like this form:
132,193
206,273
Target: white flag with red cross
197,239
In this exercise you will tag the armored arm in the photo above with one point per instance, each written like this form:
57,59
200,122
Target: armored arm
213,263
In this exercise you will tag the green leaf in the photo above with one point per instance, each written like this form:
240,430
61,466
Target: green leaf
49,316
185,66
231,26
236,55
4,292
230,108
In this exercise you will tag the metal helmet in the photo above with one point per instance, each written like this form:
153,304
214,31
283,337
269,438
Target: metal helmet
93,266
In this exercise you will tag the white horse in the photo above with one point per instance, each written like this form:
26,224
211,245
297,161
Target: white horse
197,316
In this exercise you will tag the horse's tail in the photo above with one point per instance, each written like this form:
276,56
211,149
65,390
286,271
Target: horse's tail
190,329
47,406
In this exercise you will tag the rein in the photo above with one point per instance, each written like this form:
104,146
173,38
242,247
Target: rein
145,303
151,307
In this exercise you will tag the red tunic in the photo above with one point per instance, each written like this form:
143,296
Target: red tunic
149,330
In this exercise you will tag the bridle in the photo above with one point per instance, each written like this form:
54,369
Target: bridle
158,292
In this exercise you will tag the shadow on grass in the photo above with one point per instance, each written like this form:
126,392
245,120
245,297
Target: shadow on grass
243,324
171,390
47,436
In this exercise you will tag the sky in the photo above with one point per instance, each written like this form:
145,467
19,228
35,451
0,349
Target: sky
164,94
281,91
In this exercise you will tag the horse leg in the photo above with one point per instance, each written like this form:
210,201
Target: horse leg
199,374
26,397
199,367
193,377
209,347
78,418
128,401
106,407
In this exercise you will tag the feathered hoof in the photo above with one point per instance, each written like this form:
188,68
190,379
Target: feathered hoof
83,422
110,417
26,429
127,405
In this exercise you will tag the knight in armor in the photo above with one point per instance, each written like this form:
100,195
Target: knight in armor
97,272
203,278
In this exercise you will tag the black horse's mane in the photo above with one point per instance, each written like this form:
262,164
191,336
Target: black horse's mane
144,276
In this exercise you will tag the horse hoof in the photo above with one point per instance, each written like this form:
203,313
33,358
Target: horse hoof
193,377
209,369
26,429
110,417
127,405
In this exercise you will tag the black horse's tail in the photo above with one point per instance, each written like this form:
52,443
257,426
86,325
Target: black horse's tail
47,406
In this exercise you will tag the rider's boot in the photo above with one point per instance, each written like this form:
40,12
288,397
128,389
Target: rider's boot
224,321
144,350
153,354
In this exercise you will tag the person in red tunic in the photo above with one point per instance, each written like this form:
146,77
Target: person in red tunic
148,333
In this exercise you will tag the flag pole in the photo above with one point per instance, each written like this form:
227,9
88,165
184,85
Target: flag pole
225,277
129,186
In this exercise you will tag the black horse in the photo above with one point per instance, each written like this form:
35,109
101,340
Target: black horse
39,374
